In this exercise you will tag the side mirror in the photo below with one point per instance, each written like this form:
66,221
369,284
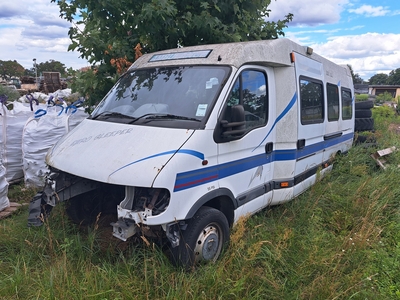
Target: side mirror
236,126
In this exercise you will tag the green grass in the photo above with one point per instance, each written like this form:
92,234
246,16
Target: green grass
338,240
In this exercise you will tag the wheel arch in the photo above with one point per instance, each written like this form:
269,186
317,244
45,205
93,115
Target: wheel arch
221,199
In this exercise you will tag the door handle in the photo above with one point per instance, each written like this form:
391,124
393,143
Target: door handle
301,144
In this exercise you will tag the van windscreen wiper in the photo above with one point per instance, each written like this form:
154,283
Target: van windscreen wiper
170,116
111,114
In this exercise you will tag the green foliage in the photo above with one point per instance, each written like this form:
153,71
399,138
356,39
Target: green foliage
362,97
383,79
394,77
10,68
87,84
338,240
356,77
385,97
112,29
10,93
378,79
383,112
51,66
384,117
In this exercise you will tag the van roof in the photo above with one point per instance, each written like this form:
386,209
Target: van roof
268,52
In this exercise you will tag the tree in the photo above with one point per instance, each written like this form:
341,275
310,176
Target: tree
11,68
378,79
356,77
116,30
30,72
51,66
394,77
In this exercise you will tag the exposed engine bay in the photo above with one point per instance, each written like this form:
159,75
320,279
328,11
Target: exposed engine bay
86,199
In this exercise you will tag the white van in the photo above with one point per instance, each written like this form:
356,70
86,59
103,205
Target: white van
190,139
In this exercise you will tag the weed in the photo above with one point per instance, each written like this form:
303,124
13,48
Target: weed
338,240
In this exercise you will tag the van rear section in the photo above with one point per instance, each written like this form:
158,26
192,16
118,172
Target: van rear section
191,139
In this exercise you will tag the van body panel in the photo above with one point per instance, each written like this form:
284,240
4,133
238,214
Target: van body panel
113,153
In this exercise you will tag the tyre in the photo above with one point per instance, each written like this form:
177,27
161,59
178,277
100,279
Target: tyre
363,113
364,104
205,237
364,124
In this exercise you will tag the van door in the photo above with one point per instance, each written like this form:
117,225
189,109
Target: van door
245,156
311,126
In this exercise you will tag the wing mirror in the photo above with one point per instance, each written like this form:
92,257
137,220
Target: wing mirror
236,126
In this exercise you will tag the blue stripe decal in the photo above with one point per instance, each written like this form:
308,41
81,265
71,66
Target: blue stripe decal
283,113
181,151
198,177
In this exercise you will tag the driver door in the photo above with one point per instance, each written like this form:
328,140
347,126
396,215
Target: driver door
245,156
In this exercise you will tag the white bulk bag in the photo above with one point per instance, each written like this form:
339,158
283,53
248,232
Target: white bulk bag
4,202
12,123
40,134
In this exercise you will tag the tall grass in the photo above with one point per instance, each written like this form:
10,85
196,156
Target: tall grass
338,240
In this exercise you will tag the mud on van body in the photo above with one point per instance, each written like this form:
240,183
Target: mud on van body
190,139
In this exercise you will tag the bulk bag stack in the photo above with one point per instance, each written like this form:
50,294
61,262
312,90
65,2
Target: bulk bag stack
4,202
41,132
12,122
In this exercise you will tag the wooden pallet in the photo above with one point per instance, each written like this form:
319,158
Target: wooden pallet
9,210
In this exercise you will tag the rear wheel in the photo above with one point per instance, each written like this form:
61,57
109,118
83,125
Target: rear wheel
204,239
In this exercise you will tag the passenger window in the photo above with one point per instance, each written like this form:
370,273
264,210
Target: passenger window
311,101
249,90
347,100
333,102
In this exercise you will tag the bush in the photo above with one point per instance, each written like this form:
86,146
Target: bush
362,97
385,97
9,92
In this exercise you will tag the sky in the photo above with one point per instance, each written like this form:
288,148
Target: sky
362,33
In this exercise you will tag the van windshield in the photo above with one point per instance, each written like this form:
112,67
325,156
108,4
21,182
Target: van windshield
180,97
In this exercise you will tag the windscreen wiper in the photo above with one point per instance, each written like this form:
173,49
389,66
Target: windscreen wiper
170,116
111,114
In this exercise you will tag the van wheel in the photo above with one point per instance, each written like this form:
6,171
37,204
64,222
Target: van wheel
205,237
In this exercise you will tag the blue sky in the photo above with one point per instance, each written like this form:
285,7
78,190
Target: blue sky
362,33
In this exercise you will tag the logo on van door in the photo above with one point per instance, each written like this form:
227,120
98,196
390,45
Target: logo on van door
258,173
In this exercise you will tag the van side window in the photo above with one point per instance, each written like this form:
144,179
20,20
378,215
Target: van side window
311,101
250,90
332,92
347,100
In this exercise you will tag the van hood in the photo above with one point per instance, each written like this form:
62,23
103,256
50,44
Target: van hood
117,153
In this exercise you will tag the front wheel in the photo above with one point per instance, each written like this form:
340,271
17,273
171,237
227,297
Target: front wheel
205,237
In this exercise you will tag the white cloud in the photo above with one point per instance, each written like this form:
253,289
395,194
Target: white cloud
308,12
34,29
368,53
371,11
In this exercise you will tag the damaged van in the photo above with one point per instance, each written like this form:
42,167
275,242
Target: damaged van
191,139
